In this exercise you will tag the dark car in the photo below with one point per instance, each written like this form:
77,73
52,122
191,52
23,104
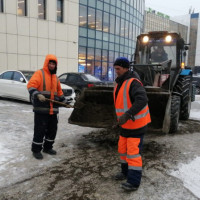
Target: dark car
79,81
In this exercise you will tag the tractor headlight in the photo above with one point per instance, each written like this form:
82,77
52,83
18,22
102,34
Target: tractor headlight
168,38
145,39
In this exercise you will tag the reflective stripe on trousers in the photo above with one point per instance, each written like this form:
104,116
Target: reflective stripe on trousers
129,151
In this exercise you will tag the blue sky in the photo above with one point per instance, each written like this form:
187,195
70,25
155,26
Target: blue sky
174,7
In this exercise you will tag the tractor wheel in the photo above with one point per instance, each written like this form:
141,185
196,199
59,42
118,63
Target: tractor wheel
175,112
183,86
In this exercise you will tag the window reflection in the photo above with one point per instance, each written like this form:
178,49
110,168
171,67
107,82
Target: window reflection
21,11
59,11
42,9
91,18
106,22
108,28
1,5
99,20
83,16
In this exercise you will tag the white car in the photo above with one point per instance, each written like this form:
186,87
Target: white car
13,85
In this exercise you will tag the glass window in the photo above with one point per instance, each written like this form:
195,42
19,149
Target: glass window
106,7
112,38
83,16
104,55
63,77
1,5
82,41
104,71
113,2
123,6
22,9
73,78
122,27
99,35
91,33
7,75
90,66
111,56
91,43
106,22
42,9
83,32
105,45
111,46
82,53
98,44
91,18
59,11
98,69
99,20
126,29
92,3
119,3
112,10
117,25
98,54
17,76
83,2
90,54
100,4
105,36
112,24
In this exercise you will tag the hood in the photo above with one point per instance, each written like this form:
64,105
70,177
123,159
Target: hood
46,62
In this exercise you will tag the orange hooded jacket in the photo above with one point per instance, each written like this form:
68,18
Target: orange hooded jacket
46,83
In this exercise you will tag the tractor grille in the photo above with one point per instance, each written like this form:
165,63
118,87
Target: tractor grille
67,92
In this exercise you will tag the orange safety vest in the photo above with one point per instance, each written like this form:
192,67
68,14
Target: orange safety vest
47,84
123,104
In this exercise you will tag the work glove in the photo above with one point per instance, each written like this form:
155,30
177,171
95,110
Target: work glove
41,97
124,118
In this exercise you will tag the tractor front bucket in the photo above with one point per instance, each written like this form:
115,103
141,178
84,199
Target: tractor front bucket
158,106
94,108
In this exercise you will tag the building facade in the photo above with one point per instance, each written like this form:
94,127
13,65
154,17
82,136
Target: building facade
85,35
31,29
107,29
157,21
193,22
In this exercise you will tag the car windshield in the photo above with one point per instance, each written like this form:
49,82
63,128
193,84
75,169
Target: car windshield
28,74
89,77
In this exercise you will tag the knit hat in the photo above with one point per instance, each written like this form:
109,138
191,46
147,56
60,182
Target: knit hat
122,61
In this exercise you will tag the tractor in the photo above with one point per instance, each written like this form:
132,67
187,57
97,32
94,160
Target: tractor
159,59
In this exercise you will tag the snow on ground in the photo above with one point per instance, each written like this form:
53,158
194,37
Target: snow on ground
189,173
16,132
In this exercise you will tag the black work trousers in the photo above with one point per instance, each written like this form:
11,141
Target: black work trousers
45,129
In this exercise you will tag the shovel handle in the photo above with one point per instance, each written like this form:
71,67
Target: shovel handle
59,103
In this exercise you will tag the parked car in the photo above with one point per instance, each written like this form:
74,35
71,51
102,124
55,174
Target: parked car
13,85
196,82
79,81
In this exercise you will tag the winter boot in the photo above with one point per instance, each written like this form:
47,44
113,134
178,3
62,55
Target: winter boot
129,187
50,151
120,176
38,155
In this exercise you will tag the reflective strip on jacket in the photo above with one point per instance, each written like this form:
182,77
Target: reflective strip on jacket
123,104
43,82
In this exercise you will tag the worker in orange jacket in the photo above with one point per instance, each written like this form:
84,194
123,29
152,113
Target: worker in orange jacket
45,84
133,116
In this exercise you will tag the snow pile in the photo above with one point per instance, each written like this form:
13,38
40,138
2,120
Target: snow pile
190,175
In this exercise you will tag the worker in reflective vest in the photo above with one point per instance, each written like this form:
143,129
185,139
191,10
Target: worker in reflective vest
131,106
45,84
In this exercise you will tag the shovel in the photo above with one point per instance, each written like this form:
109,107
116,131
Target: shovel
79,105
